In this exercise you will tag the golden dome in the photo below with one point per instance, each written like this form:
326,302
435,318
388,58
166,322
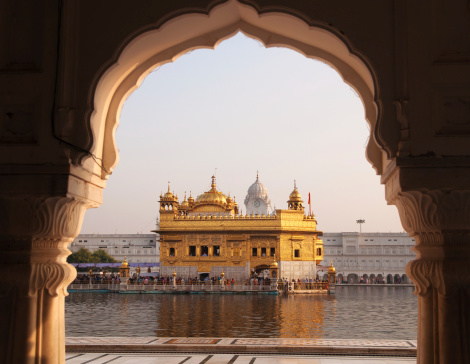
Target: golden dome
229,199
191,198
274,264
169,196
124,263
185,203
212,196
295,195
331,269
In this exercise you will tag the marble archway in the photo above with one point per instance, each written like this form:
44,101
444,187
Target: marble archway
49,178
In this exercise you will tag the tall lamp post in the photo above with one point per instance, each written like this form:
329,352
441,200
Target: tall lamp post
360,222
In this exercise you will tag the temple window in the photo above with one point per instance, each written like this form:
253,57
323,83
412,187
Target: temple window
297,253
273,252
216,250
192,250
319,251
172,252
255,252
263,252
204,251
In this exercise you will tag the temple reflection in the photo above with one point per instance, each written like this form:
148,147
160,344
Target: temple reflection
263,316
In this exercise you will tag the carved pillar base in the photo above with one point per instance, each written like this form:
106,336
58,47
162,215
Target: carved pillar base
439,220
35,276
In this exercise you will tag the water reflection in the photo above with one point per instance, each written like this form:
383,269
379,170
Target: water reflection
355,312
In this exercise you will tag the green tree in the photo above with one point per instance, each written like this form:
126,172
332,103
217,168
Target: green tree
81,256
100,256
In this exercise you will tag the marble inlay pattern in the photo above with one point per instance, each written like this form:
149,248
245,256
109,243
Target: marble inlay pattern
193,341
153,341
108,340
323,342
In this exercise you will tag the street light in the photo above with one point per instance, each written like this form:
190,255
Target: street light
360,222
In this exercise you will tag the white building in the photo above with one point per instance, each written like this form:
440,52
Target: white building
369,255
137,248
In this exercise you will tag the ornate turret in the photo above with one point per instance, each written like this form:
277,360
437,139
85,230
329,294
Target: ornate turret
169,201
190,200
124,269
184,207
295,200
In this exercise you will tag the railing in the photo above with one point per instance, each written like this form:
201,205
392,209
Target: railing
303,286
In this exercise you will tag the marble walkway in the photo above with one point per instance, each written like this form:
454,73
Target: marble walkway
118,350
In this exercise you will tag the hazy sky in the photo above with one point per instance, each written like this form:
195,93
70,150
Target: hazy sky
239,109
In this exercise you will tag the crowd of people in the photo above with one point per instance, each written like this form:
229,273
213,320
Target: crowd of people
307,283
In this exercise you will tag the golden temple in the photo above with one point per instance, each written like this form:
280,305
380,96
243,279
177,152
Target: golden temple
204,236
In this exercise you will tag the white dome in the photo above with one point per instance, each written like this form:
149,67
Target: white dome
258,191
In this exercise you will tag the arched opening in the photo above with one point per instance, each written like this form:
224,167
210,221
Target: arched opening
340,278
380,278
353,278
364,278
373,278
155,47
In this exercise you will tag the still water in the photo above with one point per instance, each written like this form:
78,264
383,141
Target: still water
354,312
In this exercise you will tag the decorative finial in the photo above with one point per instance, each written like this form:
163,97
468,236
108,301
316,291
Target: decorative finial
213,182
295,184
257,175
168,186
185,195
331,262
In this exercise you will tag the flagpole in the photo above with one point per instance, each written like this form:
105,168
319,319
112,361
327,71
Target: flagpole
309,206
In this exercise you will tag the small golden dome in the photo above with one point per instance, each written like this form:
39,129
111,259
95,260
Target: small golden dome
274,264
191,198
229,199
295,195
169,195
124,263
185,203
331,269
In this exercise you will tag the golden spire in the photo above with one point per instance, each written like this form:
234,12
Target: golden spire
331,269
257,175
213,181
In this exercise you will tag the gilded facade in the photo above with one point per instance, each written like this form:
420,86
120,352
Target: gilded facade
203,236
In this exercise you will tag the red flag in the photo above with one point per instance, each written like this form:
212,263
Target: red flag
309,206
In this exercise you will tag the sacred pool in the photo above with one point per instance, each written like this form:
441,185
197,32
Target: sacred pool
354,312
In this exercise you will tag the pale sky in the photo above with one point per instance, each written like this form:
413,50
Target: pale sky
235,110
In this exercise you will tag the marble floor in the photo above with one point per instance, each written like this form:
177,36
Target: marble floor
127,358
201,350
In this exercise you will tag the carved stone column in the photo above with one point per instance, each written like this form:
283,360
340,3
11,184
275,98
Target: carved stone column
439,219
34,275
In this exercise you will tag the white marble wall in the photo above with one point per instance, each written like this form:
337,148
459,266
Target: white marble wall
368,253
297,270
136,248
